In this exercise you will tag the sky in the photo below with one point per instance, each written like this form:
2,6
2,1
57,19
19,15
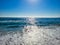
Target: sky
17,8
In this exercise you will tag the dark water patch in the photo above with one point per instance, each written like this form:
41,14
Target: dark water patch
13,27
58,38
11,18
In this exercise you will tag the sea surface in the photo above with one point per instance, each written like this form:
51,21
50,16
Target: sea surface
29,31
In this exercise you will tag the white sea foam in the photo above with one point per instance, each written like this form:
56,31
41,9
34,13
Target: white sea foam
32,35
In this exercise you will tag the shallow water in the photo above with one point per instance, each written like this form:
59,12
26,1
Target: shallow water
30,32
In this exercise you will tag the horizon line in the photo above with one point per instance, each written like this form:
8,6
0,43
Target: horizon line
32,16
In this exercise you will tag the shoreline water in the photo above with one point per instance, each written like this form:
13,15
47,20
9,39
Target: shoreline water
44,36
31,33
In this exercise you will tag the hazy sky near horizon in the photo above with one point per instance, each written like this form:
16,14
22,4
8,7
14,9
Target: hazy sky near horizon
29,7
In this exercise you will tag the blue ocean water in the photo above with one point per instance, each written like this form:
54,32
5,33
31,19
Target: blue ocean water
13,24
29,31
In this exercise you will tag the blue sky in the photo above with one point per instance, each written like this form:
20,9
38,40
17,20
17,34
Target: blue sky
30,8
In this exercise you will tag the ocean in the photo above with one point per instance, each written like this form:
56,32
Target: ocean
29,31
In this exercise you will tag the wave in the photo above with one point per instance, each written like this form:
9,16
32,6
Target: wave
32,35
